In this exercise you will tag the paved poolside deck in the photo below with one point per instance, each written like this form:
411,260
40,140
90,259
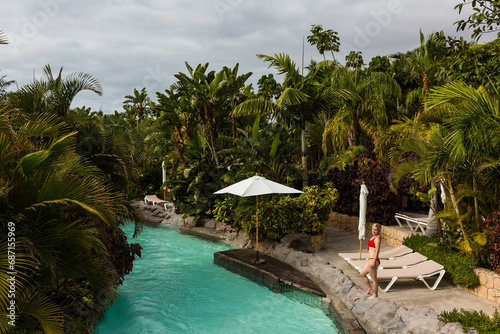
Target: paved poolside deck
408,293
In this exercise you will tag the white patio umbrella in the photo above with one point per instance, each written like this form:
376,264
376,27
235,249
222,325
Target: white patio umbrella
255,186
362,215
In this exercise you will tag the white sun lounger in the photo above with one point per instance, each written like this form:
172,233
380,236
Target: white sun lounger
385,255
153,199
413,223
419,271
408,260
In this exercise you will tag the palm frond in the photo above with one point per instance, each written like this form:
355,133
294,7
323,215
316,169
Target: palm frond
255,107
46,312
400,170
283,64
336,130
3,38
291,96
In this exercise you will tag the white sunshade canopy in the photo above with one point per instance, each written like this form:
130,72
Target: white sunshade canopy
257,185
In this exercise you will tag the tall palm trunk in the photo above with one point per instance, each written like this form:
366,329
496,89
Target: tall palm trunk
452,197
425,90
180,149
476,206
233,128
353,134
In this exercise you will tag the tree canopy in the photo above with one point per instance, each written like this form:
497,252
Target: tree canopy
484,19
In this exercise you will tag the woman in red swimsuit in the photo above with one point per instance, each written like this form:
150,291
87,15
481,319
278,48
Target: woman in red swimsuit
373,262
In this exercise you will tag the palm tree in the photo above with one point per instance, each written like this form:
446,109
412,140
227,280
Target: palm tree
175,123
363,108
53,94
473,135
139,103
201,89
235,90
3,85
460,150
425,62
51,197
212,95
298,103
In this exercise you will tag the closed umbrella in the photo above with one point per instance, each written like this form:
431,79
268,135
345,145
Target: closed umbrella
362,215
255,186
164,179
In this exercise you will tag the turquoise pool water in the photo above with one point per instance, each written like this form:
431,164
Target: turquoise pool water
176,288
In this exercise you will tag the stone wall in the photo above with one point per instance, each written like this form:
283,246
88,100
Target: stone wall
391,235
343,222
490,285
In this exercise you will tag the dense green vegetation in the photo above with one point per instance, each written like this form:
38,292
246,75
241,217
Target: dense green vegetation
459,267
479,321
63,200
405,123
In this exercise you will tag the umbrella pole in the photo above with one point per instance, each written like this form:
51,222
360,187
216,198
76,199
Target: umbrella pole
360,244
257,226
257,260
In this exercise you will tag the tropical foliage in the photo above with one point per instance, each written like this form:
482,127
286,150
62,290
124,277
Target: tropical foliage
484,19
307,213
459,267
479,321
423,121
62,204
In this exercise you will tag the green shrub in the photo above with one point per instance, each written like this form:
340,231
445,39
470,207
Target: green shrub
479,321
308,212
459,267
223,210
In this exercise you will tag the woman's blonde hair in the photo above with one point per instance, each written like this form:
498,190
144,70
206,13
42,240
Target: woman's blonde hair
377,226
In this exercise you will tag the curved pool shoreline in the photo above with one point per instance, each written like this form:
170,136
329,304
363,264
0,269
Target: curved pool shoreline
175,287
358,314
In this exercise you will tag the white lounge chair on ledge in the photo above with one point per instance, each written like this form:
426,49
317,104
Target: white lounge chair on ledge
386,255
408,260
420,271
413,223
153,199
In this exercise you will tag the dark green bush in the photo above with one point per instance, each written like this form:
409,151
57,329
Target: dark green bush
492,248
145,180
345,181
480,321
383,203
459,267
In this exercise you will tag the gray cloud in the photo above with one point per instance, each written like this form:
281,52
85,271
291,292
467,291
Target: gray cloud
129,44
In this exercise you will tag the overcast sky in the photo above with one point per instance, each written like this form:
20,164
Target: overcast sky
127,44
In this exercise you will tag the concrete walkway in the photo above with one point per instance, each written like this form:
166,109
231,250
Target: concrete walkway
408,293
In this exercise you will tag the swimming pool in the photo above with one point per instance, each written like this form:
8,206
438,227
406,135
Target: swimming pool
176,288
